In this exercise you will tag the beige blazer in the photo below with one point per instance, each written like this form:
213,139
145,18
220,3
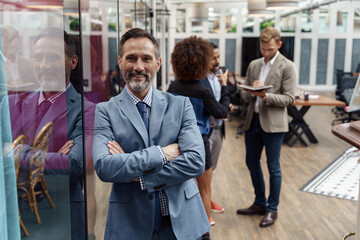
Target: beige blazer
273,110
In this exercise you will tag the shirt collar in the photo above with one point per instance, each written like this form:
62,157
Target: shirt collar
53,98
271,61
147,99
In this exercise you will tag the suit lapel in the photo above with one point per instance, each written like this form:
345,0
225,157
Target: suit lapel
128,108
158,107
257,70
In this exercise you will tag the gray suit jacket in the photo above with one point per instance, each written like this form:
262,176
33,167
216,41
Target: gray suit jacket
131,210
273,110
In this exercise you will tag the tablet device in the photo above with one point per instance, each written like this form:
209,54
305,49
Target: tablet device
255,89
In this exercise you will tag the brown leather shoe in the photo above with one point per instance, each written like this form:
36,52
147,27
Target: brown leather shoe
252,210
269,219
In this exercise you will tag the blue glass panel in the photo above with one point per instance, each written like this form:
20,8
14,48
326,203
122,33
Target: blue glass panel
322,57
305,56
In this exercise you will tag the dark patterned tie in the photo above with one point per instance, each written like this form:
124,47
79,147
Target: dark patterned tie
43,108
158,221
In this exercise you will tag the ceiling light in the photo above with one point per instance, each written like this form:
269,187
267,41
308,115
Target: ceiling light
282,4
257,9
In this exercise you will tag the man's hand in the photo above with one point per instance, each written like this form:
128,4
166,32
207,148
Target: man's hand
256,84
67,147
231,108
223,77
171,151
114,147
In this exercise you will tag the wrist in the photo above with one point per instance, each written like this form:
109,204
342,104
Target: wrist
264,97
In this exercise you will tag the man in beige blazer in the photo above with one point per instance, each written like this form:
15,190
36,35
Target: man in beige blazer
266,121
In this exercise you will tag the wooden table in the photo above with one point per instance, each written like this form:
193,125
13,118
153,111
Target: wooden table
297,126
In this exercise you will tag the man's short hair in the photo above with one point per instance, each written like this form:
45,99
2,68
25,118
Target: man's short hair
138,33
214,45
270,33
54,32
191,58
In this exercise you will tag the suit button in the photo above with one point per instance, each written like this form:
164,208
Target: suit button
151,197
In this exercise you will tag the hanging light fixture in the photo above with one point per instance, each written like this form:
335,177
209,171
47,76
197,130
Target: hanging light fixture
257,9
200,13
282,4
43,4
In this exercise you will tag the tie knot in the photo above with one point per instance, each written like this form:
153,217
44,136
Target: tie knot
141,107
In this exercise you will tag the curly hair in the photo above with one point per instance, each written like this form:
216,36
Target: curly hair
191,58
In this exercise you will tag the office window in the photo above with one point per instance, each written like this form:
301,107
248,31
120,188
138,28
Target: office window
111,19
214,20
231,20
307,21
196,27
324,20
288,24
341,21
96,20
128,20
357,20
266,23
180,20
247,23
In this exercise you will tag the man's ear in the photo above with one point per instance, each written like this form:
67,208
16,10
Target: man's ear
280,44
74,61
158,63
119,62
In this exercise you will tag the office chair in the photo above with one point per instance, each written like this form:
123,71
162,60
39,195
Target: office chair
18,145
344,91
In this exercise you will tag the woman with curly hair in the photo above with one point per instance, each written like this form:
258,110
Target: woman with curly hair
191,61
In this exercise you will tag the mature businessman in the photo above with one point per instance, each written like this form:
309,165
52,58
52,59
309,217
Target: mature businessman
148,144
266,122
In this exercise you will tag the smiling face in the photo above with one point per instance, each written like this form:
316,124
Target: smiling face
139,65
215,61
52,67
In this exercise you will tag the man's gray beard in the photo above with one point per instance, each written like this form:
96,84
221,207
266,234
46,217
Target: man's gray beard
137,86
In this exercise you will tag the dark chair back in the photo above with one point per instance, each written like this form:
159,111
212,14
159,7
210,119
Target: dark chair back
346,87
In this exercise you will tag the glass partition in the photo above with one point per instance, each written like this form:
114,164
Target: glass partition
57,62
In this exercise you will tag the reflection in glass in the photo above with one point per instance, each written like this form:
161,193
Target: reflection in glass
214,20
112,20
341,20
128,20
324,20
96,20
180,20
247,23
288,24
306,21
231,20
357,20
